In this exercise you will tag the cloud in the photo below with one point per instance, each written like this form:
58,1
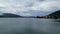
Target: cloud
46,6
29,7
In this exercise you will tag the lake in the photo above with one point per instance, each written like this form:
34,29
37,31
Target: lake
29,26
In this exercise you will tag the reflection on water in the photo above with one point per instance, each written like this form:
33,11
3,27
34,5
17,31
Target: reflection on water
29,26
57,20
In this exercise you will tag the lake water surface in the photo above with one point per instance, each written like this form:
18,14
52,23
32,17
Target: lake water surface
29,26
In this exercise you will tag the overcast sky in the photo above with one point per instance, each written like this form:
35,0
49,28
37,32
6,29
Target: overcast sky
29,7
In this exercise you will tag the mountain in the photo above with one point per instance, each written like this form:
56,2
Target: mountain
9,15
55,14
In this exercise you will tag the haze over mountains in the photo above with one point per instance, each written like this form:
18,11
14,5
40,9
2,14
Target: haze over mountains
34,13
55,14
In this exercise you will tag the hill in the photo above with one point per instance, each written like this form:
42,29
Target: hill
9,15
55,14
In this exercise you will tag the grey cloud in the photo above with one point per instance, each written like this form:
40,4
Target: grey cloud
24,7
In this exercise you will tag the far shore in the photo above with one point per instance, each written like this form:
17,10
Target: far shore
30,17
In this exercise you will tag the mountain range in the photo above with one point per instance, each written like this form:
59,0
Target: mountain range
9,15
55,14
